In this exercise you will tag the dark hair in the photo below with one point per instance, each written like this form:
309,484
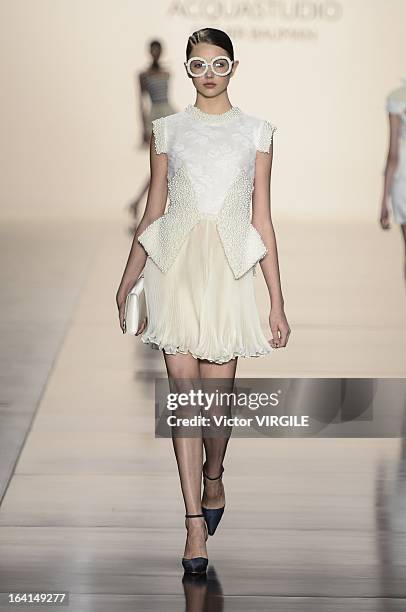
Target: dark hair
211,36
155,43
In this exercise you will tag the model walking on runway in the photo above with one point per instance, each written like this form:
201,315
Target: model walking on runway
154,103
200,257
395,169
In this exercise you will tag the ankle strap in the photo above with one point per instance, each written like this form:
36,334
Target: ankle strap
193,515
209,477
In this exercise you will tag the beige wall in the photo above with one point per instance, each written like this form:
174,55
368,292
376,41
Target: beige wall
69,114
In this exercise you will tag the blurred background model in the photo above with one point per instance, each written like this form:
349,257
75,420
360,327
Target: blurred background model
395,169
154,103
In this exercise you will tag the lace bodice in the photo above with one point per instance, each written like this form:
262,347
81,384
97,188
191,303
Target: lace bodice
211,167
212,148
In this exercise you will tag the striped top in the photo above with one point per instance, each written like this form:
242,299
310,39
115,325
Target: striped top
157,87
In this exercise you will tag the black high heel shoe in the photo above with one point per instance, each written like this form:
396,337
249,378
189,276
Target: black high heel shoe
195,565
212,516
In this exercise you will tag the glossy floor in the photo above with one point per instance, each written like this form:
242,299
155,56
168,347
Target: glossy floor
91,499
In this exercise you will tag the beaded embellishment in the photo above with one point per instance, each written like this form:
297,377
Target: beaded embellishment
242,243
218,118
265,136
158,128
163,238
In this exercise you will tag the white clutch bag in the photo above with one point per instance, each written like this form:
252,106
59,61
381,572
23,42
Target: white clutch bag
135,307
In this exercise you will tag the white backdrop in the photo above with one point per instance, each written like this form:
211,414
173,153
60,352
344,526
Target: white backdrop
69,106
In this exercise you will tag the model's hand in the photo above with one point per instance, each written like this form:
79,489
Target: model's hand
142,326
279,327
120,301
384,219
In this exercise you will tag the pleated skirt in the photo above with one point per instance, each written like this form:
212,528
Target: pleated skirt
198,307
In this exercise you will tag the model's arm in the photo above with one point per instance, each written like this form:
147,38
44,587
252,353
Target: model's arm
262,221
390,168
155,207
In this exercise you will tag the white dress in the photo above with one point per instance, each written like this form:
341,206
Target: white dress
197,305
396,103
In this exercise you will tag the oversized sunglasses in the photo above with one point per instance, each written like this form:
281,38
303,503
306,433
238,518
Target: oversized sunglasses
198,66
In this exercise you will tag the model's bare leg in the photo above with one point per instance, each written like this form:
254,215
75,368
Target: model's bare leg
403,228
215,447
183,371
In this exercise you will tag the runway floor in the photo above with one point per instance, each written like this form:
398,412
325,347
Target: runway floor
91,502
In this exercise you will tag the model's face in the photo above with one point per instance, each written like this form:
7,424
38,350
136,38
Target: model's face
210,85
155,52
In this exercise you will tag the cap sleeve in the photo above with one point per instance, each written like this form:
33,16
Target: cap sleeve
160,135
264,136
394,106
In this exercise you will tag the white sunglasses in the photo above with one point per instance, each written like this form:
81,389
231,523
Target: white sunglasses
198,66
